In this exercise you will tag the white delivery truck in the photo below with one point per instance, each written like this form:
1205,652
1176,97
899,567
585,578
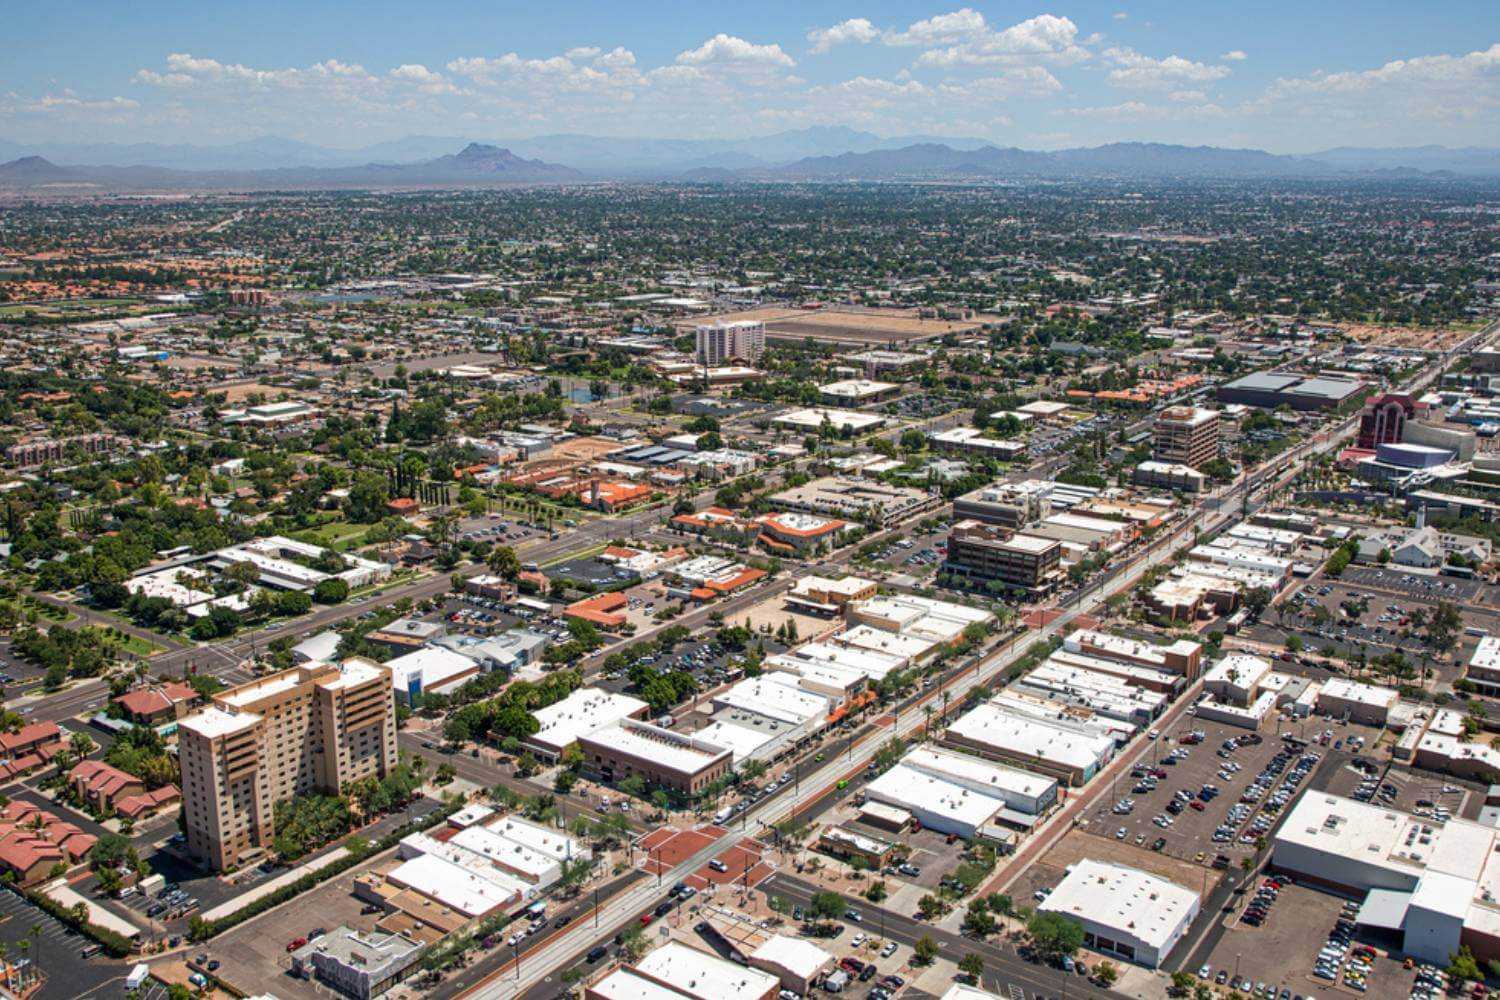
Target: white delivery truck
137,977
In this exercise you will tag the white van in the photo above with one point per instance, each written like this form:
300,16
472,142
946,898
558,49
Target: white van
723,814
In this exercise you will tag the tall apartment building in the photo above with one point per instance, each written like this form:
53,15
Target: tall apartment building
1021,562
1186,435
720,342
313,728
29,454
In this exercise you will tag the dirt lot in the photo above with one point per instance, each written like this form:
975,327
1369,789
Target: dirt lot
1282,950
1405,336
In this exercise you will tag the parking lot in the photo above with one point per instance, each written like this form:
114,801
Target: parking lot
58,950
1283,951
1154,806
253,957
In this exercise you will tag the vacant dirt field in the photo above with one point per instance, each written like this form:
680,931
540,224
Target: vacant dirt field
1423,338
876,327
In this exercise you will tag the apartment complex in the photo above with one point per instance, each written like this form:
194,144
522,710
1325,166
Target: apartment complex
1186,435
315,727
721,342
988,554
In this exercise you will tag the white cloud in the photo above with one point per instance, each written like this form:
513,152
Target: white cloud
1234,55
582,53
1132,111
856,29
1443,88
66,104
728,50
942,29
1141,72
424,79
1120,15
969,41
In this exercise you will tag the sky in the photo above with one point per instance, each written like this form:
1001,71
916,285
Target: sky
1288,77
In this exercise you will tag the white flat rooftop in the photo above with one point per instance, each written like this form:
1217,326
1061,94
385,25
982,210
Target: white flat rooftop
213,722
1142,906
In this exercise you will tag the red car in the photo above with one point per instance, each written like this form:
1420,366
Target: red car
295,943
1196,805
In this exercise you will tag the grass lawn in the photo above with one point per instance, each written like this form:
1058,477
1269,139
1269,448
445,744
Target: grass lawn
337,535
135,644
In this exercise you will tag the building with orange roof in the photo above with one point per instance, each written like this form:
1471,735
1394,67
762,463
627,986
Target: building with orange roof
718,524
134,807
403,506
601,610
34,841
33,738
100,784
792,532
158,703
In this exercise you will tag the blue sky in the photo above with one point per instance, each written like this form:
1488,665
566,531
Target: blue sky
1284,76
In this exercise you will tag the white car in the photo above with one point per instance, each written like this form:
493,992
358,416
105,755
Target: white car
1120,833
857,940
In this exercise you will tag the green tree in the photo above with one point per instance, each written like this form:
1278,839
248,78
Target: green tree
1053,934
926,950
972,966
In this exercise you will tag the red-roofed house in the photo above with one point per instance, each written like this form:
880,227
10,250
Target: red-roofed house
151,706
33,842
137,806
35,738
101,784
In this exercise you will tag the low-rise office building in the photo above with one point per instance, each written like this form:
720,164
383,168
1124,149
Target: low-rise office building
1015,561
1069,753
663,758
581,712
957,793
1124,911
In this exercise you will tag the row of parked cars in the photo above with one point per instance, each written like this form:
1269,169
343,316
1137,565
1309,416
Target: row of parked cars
1341,955
1260,904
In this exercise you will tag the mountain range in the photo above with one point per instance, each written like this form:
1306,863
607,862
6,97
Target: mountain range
824,153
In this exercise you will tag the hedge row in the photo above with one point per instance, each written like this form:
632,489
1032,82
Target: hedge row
116,944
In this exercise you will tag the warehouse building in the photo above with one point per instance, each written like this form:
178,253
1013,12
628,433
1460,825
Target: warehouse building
1068,752
1270,390
1436,885
1124,911
953,792
1363,703
675,971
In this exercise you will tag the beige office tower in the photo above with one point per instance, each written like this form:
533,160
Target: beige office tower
314,728
1186,435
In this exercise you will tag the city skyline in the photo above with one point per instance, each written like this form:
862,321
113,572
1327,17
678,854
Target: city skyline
1281,78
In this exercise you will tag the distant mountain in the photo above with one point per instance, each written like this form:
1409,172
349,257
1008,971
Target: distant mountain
428,161
31,170
599,155
1468,160
474,165
1124,159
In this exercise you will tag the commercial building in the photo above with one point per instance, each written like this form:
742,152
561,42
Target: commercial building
953,792
857,392
1273,389
827,596
878,363
793,533
719,343
1124,911
665,759
1063,750
430,670
1009,505
1169,476
848,844
988,554
1436,885
675,971
1185,435
816,418
315,727
1362,703
1383,420
857,499
581,712
1484,666
357,964
795,961
1181,656
971,441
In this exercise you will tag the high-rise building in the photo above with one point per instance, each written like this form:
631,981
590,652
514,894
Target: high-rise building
315,727
1384,420
720,342
1186,435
